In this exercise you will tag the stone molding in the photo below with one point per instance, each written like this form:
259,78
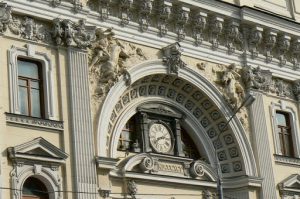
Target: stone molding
34,122
289,187
37,158
119,92
29,52
227,32
287,160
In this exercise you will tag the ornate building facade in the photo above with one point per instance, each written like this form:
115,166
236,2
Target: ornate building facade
149,99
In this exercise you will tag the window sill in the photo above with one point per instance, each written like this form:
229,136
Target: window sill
34,122
287,160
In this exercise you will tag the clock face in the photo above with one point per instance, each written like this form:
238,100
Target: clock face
160,138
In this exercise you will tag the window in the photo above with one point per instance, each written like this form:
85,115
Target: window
30,88
284,133
33,188
30,83
127,136
188,146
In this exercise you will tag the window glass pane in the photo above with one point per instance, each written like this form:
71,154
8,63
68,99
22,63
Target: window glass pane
23,100
22,82
281,119
35,84
28,69
35,103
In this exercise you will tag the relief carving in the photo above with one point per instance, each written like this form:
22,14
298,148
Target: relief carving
5,17
172,57
232,88
164,11
109,59
233,36
125,6
199,25
132,188
258,79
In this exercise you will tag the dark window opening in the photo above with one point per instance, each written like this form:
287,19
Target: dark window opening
30,86
188,146
33,188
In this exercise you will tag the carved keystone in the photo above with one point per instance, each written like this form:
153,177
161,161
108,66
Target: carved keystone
172,57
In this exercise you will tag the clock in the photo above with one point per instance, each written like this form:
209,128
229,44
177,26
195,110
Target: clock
161,138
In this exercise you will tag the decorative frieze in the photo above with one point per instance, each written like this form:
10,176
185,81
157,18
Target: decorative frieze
258,79
34,122
65,32
5,18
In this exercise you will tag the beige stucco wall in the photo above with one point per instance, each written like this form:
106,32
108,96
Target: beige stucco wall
12,134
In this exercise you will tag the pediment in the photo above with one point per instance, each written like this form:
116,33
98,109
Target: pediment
37,150
290,184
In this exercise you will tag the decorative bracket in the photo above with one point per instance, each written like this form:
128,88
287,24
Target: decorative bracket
199,24
216,28
284,42
125,6
181,18
295,51
164,10
233,35
145,9
255,40
270,41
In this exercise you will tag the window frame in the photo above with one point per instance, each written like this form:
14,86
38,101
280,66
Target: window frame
29,81
289,111
29,53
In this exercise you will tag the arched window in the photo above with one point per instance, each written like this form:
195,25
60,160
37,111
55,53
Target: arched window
33,188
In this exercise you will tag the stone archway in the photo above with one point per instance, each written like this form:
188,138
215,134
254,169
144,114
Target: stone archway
193,95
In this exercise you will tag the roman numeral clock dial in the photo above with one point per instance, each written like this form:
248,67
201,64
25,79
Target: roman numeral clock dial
160,138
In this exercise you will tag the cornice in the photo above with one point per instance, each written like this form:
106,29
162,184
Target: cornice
222,45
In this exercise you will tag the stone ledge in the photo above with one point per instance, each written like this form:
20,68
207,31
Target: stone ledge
33,121
287,160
